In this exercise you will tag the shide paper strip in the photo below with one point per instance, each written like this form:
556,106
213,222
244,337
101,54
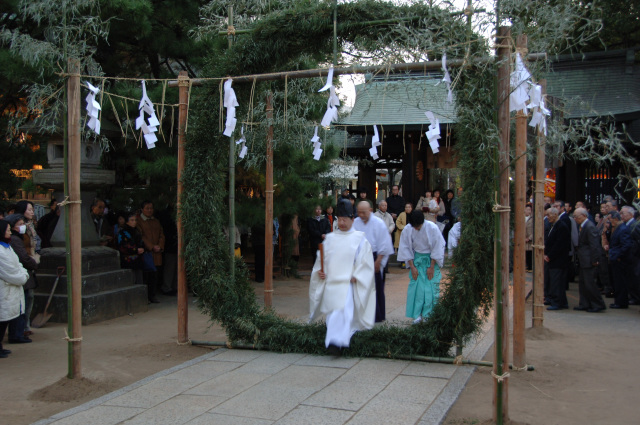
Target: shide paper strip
317,151
520,80
433,134
243,148
332,104
149,127
230,102
375,142
447,78
93,108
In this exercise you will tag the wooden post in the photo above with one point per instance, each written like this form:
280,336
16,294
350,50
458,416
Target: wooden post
183,314
519,264
232,182
268,219
538,229
501,362
74,212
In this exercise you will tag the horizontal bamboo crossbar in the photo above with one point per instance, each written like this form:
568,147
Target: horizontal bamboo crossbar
356,69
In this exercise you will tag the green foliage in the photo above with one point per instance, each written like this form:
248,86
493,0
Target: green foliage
298,37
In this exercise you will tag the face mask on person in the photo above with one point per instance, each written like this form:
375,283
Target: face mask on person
22,229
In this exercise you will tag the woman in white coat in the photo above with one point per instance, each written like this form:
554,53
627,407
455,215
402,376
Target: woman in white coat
12,278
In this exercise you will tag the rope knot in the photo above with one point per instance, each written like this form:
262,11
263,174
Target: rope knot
66,337
231,30
67,201
500,378
458,360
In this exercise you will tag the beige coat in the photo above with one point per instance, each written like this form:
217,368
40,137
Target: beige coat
401,222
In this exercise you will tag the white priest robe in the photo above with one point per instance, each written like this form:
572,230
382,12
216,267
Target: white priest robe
428,240
378,236
349,306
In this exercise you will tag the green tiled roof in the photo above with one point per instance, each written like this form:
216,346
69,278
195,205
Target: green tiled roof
400,102
597,89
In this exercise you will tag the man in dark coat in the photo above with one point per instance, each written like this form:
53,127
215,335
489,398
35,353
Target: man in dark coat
620,246
588,256
395,202
627,214
556,255
318,226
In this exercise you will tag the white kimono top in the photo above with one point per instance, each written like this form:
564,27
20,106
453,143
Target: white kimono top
427,240
346,255
378,236
454,236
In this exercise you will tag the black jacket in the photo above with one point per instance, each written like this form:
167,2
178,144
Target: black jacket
27,261
558,245
395,204
316,229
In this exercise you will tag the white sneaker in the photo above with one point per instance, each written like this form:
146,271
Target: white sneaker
418,320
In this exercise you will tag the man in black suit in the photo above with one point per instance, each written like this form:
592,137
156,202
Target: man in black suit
556,255
318,227
627,214
588,256
547,229
620,246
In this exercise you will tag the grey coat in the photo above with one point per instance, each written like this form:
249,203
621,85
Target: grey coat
588,245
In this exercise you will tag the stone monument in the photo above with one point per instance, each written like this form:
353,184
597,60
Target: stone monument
107,290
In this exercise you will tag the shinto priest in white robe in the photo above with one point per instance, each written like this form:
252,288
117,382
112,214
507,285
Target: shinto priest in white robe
349,307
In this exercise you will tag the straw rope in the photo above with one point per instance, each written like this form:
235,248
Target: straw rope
501,378
66,201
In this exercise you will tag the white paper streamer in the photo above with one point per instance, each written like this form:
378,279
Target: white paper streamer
520,81
149,127
332,104
540,112
447,78
433,135
93,108
375,142
317,151
243,148
230,102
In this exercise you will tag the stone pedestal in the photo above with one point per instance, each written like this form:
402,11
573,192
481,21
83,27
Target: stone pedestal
107,290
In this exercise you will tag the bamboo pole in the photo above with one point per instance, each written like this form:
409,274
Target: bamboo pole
538,229
232,183
429,359
519,344
74,242
501,254
183,312
357,69
268,219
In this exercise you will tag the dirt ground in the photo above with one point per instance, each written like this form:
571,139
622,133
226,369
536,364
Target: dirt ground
115,354
584,364
585,372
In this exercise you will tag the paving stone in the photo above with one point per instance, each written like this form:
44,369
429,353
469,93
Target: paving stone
309,415
380,412
229,384
203,371
239,356
151,394
176,411
432,370
101,415
348,395
271,363
217,419
413,389
374,371
327,361
279,394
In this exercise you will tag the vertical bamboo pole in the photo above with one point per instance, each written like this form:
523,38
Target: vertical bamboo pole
519,356
183,314
268,219
232,179
74,244
501,362
538,229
